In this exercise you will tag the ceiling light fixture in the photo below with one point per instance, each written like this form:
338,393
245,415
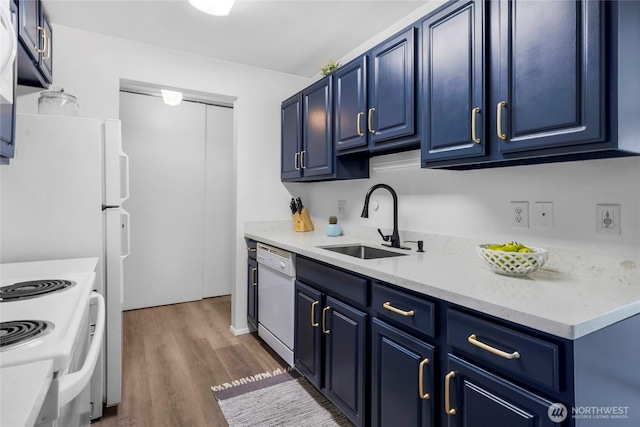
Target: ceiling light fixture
213,7
171,97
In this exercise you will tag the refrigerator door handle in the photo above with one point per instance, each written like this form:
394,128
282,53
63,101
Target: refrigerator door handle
125,179
127,227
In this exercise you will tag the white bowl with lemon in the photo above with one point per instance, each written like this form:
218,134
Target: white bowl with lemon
513,258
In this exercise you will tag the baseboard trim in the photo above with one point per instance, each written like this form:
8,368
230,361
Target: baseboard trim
237,332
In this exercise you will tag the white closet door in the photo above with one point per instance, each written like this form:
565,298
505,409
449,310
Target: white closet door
220,202
166,147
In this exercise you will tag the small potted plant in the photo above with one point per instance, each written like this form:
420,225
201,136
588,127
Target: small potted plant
333,229
329,67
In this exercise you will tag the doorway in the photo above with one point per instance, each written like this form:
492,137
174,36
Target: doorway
182,201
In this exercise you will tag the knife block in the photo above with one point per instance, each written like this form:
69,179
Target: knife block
302,221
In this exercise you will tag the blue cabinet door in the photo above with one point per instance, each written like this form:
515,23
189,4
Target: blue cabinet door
453,82
316,157
307,334
345,331
547,78
391,112
350,95
477,398
28,33
252,292
402,378
291,134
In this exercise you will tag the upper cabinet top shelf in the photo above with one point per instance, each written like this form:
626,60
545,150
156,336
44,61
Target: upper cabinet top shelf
481,84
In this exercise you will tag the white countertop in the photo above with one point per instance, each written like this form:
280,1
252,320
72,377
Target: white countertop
559,304
23,389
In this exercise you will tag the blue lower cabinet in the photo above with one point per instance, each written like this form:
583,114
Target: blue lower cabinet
345,330
403,378
252,292
308,336
474,397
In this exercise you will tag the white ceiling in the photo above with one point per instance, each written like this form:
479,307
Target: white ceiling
291,36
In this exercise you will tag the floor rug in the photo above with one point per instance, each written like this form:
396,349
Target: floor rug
283,399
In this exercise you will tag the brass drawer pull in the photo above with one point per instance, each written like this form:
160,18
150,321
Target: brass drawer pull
474,113
423,395
313,314
389,307
358,119
303,164
499,108
447,403
474,340
324,315
251,249
43,36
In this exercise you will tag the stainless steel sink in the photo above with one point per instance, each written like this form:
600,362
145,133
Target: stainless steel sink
362,252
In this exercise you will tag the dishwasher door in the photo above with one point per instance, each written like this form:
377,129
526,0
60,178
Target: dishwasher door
276,295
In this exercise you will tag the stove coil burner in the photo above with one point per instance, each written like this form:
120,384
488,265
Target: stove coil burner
19,332
33,289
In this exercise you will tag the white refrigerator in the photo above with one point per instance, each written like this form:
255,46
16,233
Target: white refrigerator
61,198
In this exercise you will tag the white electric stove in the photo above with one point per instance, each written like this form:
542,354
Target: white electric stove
44,315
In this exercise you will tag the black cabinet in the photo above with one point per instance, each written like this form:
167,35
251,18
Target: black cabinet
252,285
403,386
375,108
307,138
35,45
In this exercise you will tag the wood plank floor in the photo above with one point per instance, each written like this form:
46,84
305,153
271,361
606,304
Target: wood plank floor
172,356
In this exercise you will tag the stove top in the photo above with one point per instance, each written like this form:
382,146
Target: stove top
33,289
20,332
61,310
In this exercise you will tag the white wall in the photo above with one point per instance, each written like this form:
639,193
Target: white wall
90,66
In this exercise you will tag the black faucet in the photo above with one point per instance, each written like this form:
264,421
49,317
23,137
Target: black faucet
394,238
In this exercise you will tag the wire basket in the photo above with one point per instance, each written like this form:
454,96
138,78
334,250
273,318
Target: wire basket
513,263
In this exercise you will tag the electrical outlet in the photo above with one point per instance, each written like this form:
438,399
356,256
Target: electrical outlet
519,214
543,215
342,208
608,219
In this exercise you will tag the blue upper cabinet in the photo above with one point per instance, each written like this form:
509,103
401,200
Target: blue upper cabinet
291,138
452,82
391,113
316,157
35,58
547,83
375,99
350,95
308,152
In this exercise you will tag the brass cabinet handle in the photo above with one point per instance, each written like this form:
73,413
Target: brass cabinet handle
389,307
324,315
423,395
296,161
474,113
254,282
43,36
447,403
501,105
358,119
48,40
369,127
313,314
251,249
302,162
474,340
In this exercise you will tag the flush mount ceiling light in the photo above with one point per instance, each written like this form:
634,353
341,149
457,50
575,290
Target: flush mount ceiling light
171,97
213,7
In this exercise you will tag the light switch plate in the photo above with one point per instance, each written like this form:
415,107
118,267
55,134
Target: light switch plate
608,219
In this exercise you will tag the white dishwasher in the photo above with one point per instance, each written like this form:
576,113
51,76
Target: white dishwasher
276,294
